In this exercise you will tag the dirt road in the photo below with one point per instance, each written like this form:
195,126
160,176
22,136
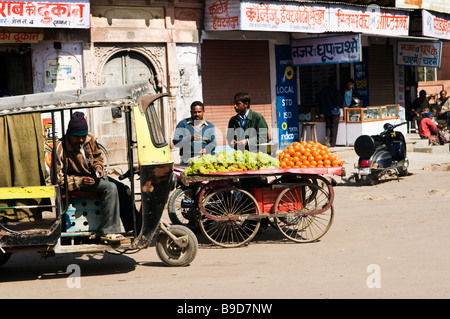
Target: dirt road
387,241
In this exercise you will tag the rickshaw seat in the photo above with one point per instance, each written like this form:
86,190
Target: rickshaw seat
83,194
84,213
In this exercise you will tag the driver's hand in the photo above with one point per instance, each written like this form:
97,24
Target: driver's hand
88,181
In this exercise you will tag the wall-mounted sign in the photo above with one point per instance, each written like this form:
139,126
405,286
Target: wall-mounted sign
435,5
435,25
291,17
55,14
62,73
424,54
371,20
334,49
222,15
228,15
21,37
286,92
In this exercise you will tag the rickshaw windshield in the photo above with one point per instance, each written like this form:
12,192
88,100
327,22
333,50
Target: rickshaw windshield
154,125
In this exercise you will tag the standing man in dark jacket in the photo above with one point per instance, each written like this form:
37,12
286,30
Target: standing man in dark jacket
330,103
247,129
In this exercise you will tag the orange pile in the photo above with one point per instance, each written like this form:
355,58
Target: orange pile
308,154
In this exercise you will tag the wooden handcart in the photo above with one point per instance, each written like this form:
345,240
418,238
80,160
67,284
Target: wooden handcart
298,202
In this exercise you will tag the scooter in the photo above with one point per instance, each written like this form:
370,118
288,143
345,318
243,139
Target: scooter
382,154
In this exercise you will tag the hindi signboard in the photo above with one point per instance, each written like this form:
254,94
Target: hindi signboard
21,37
435,5
228,15
372,20
290,17
435,25
56,14
423,54
334,49
222,15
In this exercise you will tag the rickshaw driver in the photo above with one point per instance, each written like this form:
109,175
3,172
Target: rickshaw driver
85,173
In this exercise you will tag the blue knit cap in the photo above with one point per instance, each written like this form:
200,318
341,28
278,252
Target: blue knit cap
77,125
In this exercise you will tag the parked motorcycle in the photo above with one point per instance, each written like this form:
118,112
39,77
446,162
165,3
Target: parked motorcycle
382,154
181,204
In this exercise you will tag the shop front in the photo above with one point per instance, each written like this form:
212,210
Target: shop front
325,39
41,46
60,45
38,50
431,75
144,41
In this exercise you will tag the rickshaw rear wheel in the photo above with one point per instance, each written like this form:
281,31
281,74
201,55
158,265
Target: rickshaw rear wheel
171,253
4,257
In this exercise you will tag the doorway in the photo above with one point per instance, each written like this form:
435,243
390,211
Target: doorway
122,68
16,76
128,68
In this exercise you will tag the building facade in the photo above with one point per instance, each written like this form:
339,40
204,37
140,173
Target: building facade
382,45
71,44
281,52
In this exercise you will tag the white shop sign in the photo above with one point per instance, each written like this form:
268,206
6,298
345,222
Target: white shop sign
56,14
334,49
229,15
435,25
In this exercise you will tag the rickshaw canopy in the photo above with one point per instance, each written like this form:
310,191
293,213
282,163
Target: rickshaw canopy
74,99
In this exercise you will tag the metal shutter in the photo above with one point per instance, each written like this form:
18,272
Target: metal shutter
381,75
233,66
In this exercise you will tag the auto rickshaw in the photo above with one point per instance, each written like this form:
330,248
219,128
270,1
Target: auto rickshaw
65,223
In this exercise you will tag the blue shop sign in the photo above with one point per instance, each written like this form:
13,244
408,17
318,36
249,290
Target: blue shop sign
334,49
286,97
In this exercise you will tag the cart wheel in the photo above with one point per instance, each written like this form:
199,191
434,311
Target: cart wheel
308,212
228,217
181,215
172,254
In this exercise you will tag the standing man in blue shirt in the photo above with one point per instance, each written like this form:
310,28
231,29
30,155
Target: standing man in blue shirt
350,93
195,136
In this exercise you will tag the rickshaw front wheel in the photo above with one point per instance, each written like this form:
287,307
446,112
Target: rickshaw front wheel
171,253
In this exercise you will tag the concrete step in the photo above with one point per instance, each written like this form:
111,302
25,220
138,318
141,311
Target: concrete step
433,149
416,144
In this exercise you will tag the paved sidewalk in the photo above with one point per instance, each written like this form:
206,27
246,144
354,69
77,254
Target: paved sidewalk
421,157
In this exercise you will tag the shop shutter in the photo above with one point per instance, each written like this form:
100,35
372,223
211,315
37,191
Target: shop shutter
381,75
229,67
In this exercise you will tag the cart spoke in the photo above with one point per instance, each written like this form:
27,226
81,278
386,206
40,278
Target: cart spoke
224,220
308,212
